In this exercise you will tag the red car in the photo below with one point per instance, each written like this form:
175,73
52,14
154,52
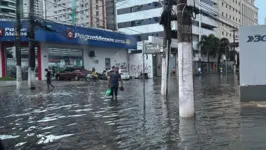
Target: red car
72,74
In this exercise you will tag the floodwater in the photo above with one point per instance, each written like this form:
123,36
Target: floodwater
81,117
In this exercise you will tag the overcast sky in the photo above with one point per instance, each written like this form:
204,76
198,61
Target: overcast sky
261,4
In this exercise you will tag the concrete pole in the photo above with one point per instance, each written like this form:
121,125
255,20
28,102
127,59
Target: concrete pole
31,57
164,70
185,61
18,48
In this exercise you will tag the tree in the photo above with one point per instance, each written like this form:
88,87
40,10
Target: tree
224,49
209,46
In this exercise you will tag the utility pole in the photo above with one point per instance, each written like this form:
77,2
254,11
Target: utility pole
184,34
166,19
18,48
31,37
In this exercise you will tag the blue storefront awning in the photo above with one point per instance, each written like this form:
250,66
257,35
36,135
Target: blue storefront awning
66,34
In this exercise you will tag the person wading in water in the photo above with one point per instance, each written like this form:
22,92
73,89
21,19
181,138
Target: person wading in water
49,78
113,82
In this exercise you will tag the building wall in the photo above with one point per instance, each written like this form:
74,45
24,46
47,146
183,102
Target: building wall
7,9
38,8
110,14
136,65
117,56
252,57
236,13
88,13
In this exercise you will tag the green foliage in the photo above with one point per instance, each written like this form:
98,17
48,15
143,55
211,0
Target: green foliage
7,79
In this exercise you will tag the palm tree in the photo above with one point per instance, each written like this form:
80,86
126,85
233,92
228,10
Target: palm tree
224,49
209,46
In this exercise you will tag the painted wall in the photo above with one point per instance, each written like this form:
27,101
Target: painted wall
252,56
136,65
118,58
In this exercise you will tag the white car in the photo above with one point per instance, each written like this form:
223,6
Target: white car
124,74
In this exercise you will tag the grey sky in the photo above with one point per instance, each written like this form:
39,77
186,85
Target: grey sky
261,4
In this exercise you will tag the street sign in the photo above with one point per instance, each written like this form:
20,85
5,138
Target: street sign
152,49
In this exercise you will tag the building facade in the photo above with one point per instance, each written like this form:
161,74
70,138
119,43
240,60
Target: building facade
141,18
110,14
236,13
69,46
7,9
38,8
86,13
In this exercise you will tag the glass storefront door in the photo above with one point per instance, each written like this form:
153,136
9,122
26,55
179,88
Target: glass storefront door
11,62
61,58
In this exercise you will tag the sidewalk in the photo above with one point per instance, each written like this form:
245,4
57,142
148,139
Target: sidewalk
24,84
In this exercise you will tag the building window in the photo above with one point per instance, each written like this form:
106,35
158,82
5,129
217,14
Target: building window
226,34
230,34
226,15
226,6
233,18
222,3
222,32
230,16
229,7
222,13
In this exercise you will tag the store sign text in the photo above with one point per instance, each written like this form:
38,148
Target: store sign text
100,38
12,32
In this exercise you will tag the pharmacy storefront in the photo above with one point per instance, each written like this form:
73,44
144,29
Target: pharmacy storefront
65,46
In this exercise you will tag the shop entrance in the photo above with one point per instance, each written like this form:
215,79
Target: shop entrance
62,58
9,63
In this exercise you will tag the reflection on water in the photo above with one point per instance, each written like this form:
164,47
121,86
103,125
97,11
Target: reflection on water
83,118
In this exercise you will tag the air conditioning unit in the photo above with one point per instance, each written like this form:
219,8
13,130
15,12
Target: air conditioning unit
91,53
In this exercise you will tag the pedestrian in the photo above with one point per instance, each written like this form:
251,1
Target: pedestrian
113,82
49,78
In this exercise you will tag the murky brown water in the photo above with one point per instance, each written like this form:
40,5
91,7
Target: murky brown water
82,118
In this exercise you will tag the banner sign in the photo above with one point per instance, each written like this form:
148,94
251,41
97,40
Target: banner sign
67,34
152,49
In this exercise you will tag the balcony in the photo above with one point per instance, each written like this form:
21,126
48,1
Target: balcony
11,1
7,7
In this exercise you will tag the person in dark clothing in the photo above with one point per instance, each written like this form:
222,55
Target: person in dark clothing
49,78
113,82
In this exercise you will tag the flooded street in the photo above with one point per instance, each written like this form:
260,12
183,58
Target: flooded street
81,117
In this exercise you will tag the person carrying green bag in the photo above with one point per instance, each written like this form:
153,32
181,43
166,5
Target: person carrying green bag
113,82
108,92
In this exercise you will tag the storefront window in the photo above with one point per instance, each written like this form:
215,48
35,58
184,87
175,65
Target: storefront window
62,58
11,62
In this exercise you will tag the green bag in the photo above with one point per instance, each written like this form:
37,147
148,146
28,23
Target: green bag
108,92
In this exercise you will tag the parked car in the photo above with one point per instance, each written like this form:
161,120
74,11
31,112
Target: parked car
72,74
124,74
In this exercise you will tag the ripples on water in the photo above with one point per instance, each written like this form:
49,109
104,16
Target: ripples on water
82,118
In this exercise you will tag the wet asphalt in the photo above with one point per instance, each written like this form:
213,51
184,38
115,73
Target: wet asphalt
81,117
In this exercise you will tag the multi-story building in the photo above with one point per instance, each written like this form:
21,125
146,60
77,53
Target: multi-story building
236,13
38,8
7,9
141,18
110,14
86,13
